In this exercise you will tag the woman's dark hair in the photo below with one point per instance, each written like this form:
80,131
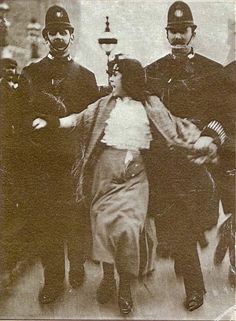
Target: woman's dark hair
133,76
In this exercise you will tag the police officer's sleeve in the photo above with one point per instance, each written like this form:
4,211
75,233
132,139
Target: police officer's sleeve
23,102
215,122
92,89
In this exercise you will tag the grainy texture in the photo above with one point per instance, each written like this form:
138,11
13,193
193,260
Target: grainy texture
139,27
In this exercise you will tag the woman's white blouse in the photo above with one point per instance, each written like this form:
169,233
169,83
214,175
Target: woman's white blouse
128,126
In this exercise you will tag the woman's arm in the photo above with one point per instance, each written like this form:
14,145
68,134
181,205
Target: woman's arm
70,121
64,122
177,132
181,133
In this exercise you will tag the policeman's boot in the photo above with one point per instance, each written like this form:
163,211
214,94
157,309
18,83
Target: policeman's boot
76,276
54,274
50,292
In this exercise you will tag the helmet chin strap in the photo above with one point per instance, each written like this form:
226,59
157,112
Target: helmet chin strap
56,49
182,49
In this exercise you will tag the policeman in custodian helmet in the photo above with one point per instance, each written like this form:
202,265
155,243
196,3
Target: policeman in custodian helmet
55,86
187,84
57,21
180,28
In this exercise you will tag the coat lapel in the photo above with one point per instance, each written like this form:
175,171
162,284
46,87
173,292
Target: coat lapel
161,118
104,109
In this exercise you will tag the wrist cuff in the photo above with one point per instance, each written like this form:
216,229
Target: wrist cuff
215,130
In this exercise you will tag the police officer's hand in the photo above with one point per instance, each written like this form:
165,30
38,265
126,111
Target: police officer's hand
39,123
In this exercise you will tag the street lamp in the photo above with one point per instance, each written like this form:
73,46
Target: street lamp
107,41
33,29
4,24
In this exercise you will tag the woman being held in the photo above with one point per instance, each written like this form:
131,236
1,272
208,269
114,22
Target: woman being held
112,179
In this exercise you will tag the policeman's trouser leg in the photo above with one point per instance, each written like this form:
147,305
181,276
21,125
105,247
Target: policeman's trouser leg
187,260
76,250
76,245
52,258
53,262
51,250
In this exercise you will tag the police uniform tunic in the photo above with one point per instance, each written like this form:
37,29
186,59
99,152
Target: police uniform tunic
188,202
52,88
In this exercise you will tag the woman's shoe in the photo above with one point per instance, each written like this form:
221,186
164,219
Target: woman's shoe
76,277
106,290
124,299
125,305
194,301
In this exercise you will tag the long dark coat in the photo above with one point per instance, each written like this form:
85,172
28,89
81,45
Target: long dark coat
74,88
188,195
51,88
189,88
226,169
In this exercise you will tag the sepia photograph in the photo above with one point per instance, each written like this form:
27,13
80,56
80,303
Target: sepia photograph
117,160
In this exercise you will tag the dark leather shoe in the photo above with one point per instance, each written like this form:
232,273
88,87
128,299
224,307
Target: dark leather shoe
194,301
106,290
125,305
50,293
76,277
125,301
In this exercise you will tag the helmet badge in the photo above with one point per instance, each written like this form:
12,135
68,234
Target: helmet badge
59,14
178,13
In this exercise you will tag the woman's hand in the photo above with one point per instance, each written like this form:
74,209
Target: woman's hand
39,123
203,143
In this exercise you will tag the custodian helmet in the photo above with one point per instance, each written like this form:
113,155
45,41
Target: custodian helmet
180,15
57,17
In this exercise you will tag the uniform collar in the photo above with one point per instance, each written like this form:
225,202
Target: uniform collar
12,84
9,84
66,58
189,56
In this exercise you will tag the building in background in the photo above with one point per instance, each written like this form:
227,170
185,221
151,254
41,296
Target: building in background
138,24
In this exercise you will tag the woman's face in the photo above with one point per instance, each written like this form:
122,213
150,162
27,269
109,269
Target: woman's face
116,83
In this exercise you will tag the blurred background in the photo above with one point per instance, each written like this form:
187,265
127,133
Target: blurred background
138,26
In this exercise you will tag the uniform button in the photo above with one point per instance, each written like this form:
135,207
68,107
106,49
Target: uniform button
136,165
132,175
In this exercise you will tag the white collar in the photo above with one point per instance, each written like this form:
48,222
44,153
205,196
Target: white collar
123,99
51,57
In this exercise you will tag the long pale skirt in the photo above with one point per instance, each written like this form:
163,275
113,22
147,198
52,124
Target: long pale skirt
122,233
